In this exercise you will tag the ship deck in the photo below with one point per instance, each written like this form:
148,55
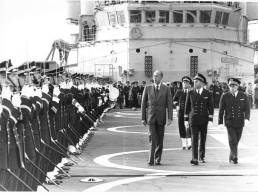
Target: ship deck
118,154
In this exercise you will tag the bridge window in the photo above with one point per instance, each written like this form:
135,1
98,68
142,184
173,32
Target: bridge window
178,16
150,16
191,16
218,17
112,18
164,16
225,18
120,17
205,16
135,16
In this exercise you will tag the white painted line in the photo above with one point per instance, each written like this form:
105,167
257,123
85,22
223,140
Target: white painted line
105,187
104,161
223,138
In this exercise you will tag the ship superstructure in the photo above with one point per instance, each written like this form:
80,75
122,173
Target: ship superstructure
130,40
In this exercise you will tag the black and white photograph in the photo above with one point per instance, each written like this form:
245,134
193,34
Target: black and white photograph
128,96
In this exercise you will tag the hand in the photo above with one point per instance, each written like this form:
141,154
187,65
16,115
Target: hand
169,122
16,100
247,122
6,93
25,91
221,126
62,85
210,124
30,91
186,124
1,109
45,88
177,108
144,122
38,93
80,109
56,91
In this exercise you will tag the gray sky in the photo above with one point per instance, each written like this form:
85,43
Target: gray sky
29,27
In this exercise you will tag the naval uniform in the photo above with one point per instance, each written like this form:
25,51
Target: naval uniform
179,100
234,111
199,111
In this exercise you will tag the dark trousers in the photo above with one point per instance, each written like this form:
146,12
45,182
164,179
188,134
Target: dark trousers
183,132
156,136
126,100
256,103
198,132
234,136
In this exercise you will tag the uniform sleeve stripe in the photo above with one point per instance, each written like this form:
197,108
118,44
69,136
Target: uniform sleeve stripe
5,107
44,99
26,107
14,119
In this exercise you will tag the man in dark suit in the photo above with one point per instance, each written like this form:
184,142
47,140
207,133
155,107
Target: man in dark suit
179,102
156,102
198,114
235,109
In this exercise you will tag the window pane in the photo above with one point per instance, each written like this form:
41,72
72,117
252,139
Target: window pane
218,17
225,18
150,16
135,16
178,16
163,16
205,16
120,17
112,18
191,16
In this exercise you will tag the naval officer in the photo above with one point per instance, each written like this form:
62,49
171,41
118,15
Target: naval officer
198,114
235,110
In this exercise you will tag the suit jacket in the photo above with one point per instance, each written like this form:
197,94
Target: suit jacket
179,100
199,108
234,109
154,108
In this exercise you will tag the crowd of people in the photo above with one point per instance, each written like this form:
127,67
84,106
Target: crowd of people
46,120
130,93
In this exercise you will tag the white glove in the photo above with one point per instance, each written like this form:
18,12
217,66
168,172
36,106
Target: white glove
30,91
38,93
1,109
6,93
25,91
62,85
221,126
210,124
80,109
177,108
45,88
56,91
16,100
186,124
247,122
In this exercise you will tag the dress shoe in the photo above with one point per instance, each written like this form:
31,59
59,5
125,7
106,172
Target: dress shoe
183,148
150,163
157,163
194,161
68,164
202,160
189,147
65,168
48,182
59,176
235,160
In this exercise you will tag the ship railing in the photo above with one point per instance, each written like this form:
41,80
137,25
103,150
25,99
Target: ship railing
223,3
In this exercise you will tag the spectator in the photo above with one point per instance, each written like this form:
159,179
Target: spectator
249,93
